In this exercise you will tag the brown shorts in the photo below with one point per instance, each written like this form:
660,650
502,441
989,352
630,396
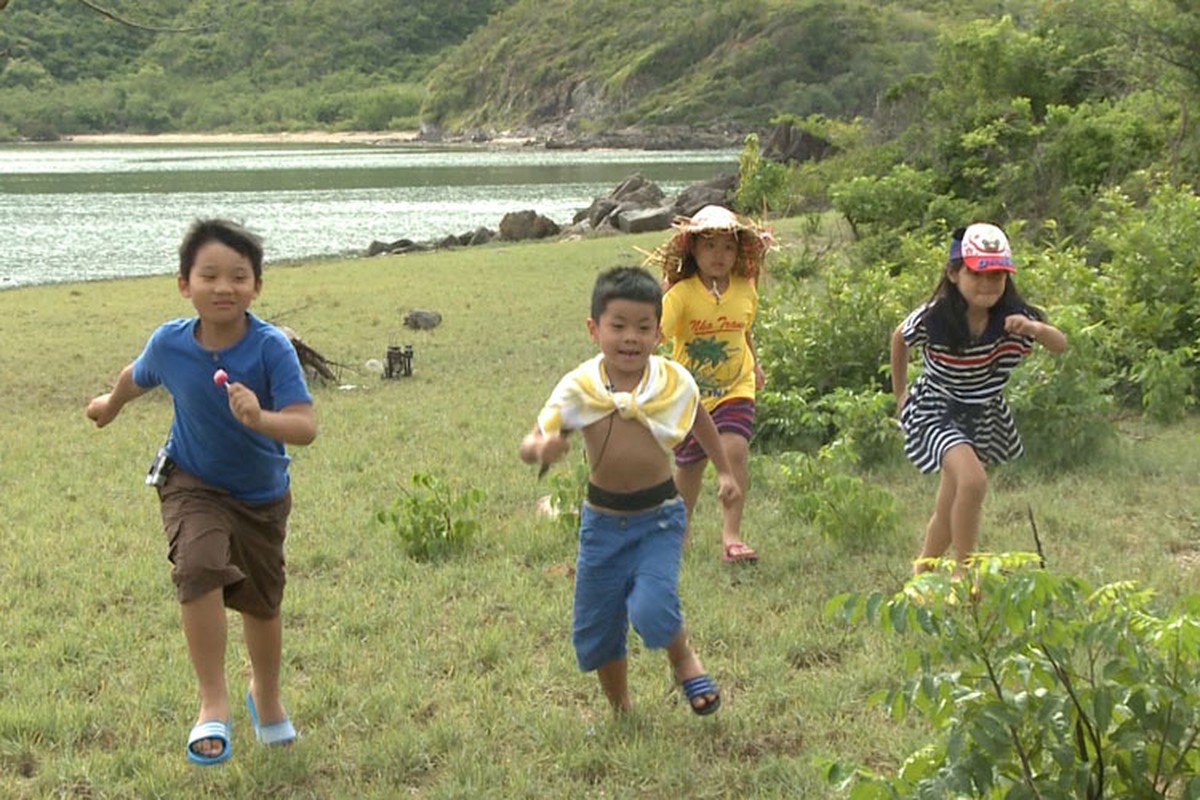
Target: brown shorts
217,541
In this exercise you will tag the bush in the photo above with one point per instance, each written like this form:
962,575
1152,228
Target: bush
866,432
762,183
434,521
1063,404
789,421
1039,685
848,511
568,490
1166,381
833,334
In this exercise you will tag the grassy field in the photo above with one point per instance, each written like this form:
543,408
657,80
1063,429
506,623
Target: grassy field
456,679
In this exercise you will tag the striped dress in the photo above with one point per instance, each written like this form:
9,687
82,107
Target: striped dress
958,398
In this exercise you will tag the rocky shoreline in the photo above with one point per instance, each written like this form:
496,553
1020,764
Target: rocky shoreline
551,138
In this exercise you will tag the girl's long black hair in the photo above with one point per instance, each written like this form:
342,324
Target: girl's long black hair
947,311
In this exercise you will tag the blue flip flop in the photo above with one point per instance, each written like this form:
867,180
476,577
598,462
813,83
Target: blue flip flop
277,733
700,686
212,729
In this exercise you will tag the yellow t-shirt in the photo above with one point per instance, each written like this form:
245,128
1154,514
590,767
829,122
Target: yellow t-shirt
708,336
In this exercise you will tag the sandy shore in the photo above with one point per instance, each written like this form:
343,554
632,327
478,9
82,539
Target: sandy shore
298,137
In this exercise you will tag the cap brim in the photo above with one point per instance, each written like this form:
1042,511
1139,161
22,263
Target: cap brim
976,264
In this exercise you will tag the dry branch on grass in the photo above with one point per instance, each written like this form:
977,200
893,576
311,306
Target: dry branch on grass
314,364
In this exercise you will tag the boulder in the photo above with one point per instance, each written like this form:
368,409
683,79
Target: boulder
788,144
517,226
648,219
480,235
636,189
422,320
717,191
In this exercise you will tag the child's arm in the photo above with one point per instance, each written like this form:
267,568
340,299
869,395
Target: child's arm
539,447
760,377
104,408
706,434
1043,333
899,367
292,424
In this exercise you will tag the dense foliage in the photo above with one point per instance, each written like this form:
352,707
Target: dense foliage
239,65
232,65
1043,686
607,64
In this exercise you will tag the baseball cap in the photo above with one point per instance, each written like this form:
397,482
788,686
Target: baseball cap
984,248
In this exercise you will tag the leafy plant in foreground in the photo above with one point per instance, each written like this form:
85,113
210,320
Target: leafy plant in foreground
568,488
434,520
1040,686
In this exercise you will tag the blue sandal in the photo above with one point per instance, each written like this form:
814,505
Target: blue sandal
277,733
700,686
212,729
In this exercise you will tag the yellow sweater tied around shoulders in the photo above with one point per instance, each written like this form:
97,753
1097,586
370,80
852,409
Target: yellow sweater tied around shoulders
664,400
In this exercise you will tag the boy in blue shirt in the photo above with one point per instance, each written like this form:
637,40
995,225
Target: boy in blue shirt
239,397
631,407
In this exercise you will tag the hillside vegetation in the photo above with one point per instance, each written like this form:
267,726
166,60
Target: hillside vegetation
685,62
230,65
494,64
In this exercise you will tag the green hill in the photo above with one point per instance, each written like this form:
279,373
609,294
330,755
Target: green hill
248,65
610,63
222,64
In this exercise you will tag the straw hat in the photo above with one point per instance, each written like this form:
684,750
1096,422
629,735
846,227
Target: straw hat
753,242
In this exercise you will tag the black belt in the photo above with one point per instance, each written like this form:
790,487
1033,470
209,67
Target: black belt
640,500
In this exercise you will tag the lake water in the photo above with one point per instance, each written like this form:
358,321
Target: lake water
73,212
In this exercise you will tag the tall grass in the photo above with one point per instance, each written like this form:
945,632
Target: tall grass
454,679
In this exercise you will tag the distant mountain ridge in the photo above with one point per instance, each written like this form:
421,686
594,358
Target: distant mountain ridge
578,68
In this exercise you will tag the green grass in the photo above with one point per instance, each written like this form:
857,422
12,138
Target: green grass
456,679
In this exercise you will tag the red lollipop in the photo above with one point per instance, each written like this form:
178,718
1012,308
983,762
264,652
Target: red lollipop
220,377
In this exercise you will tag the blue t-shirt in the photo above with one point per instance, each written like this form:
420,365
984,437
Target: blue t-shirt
206,439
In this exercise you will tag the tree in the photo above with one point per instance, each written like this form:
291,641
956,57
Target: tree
104,12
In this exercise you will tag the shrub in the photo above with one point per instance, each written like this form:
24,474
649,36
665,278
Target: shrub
848,511
789,420
1039,685
1063,404
1166,380
762,183
833,334
568,490
866,433
435,520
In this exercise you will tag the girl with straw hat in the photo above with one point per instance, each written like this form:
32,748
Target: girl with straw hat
710,267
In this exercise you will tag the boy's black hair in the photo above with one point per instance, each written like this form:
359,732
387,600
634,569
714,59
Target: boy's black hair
626,283
228,233
947,311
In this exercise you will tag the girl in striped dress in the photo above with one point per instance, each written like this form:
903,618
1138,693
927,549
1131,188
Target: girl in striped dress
973,332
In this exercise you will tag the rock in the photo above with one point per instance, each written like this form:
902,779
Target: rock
408,246
792,145
422,320
636,189
480,236
517,226
642,220
717,191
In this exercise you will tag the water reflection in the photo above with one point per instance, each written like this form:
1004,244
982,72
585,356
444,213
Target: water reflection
80,212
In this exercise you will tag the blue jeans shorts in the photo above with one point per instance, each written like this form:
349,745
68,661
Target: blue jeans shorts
627,571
